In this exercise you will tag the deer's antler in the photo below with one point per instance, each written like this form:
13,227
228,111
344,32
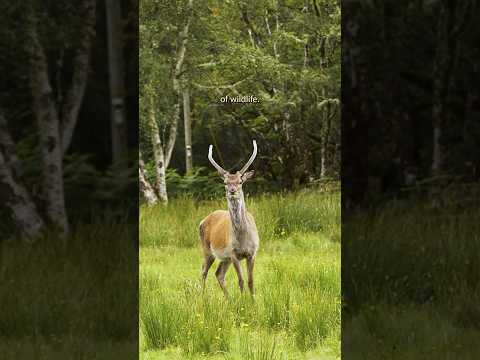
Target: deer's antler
218,167
250,161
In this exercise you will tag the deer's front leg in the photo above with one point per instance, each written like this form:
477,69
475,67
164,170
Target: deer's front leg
238,269
250,263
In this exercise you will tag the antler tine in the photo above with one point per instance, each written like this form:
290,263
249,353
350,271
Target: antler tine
218,167
250,161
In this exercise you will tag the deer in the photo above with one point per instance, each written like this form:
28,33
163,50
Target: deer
230,235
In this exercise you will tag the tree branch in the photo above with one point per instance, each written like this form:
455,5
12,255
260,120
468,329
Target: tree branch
172,136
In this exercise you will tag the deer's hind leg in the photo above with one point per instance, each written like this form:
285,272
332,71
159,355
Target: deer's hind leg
207,255
207,263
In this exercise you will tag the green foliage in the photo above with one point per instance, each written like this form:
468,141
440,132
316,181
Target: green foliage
195,184
292,66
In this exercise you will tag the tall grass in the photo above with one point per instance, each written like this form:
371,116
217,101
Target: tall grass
277,216
406,253
78,292
412,283
297,307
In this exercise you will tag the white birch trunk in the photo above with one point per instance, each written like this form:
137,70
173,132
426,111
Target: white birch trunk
323,166
180,56
49,138
145,186
188,131
17,199
14,194
172,135
159,157
274,43
183,39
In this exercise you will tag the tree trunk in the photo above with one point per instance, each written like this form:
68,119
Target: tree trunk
159,157
180,56
16,198
188,130
145,187
116,76
452,21
439,87
323,168
81,61
12,192
49,138
274,43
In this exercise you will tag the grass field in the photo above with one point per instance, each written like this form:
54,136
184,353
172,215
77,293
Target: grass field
296,314
411,285
70,300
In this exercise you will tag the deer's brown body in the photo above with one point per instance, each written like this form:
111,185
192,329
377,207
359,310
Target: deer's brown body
230,236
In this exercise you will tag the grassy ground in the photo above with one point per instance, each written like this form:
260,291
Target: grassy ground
73,300
296,314
412,284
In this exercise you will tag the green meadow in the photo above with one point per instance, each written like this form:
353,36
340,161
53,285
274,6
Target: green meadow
74,299
412,280
296,313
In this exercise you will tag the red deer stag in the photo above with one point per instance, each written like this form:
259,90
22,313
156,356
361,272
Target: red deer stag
230,236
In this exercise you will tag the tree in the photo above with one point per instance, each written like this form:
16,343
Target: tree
56,100
116,77
285,54
145,188
153,95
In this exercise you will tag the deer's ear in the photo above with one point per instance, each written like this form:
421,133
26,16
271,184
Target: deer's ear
248,175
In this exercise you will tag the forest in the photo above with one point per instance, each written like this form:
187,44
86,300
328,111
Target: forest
57,138
68,195
410,181
410,96
285,53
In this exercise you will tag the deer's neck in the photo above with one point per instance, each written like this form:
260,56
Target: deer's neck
238,213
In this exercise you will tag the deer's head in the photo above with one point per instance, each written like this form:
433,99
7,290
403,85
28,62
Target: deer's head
233,182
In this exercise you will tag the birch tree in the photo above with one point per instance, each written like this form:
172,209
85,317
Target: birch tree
146,188
15,195
162,112
57,119
56,103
